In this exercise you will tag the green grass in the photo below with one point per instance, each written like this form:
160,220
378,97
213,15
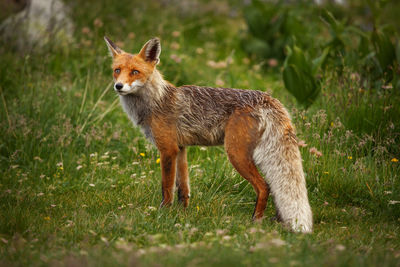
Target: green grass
76,190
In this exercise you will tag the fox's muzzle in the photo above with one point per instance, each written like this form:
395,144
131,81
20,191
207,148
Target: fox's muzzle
126,88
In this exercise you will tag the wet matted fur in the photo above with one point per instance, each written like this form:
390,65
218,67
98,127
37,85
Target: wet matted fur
254,127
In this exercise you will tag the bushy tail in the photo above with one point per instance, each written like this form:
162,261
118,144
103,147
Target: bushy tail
278,157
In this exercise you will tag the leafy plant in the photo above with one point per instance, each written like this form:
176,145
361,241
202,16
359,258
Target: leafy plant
270,28
299,75
384,50
349,46
374,56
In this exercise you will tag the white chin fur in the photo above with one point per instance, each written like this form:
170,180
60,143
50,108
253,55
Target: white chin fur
130,88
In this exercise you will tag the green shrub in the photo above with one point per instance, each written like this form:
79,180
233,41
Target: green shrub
271,27
299,75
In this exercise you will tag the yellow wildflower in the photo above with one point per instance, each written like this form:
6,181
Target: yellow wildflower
350,157
47,218
394,160
158,160
142,154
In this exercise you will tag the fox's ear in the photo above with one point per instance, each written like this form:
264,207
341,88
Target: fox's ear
114,50
151,51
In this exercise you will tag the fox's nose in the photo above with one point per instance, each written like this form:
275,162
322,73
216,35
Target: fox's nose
118,86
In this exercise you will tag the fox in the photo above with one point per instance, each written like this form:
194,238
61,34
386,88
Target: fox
254,127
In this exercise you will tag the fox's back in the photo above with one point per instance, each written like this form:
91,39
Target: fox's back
202,112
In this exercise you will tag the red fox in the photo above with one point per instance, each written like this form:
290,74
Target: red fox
254,128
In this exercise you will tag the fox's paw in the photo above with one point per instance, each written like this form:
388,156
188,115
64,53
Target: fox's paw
183,199
165,203
184,202
257,219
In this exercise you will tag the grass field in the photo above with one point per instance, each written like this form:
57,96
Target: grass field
79,185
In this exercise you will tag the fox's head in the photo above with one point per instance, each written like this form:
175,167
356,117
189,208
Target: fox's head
132,71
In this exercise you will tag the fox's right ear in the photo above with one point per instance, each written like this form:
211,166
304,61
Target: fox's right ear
114,50
151,51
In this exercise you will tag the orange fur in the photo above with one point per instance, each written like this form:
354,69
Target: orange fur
182,178
241,135
165,139
127,63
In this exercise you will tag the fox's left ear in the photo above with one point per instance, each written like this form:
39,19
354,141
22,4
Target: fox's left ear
151,51
113,48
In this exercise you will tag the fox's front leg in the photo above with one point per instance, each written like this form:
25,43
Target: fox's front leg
168,172
182,178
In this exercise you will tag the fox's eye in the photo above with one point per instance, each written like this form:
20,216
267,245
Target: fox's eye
134,72
117,71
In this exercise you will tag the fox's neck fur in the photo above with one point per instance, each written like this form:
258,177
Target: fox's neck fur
155,87
141,105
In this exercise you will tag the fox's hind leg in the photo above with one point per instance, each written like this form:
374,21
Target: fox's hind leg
241,136
182,177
